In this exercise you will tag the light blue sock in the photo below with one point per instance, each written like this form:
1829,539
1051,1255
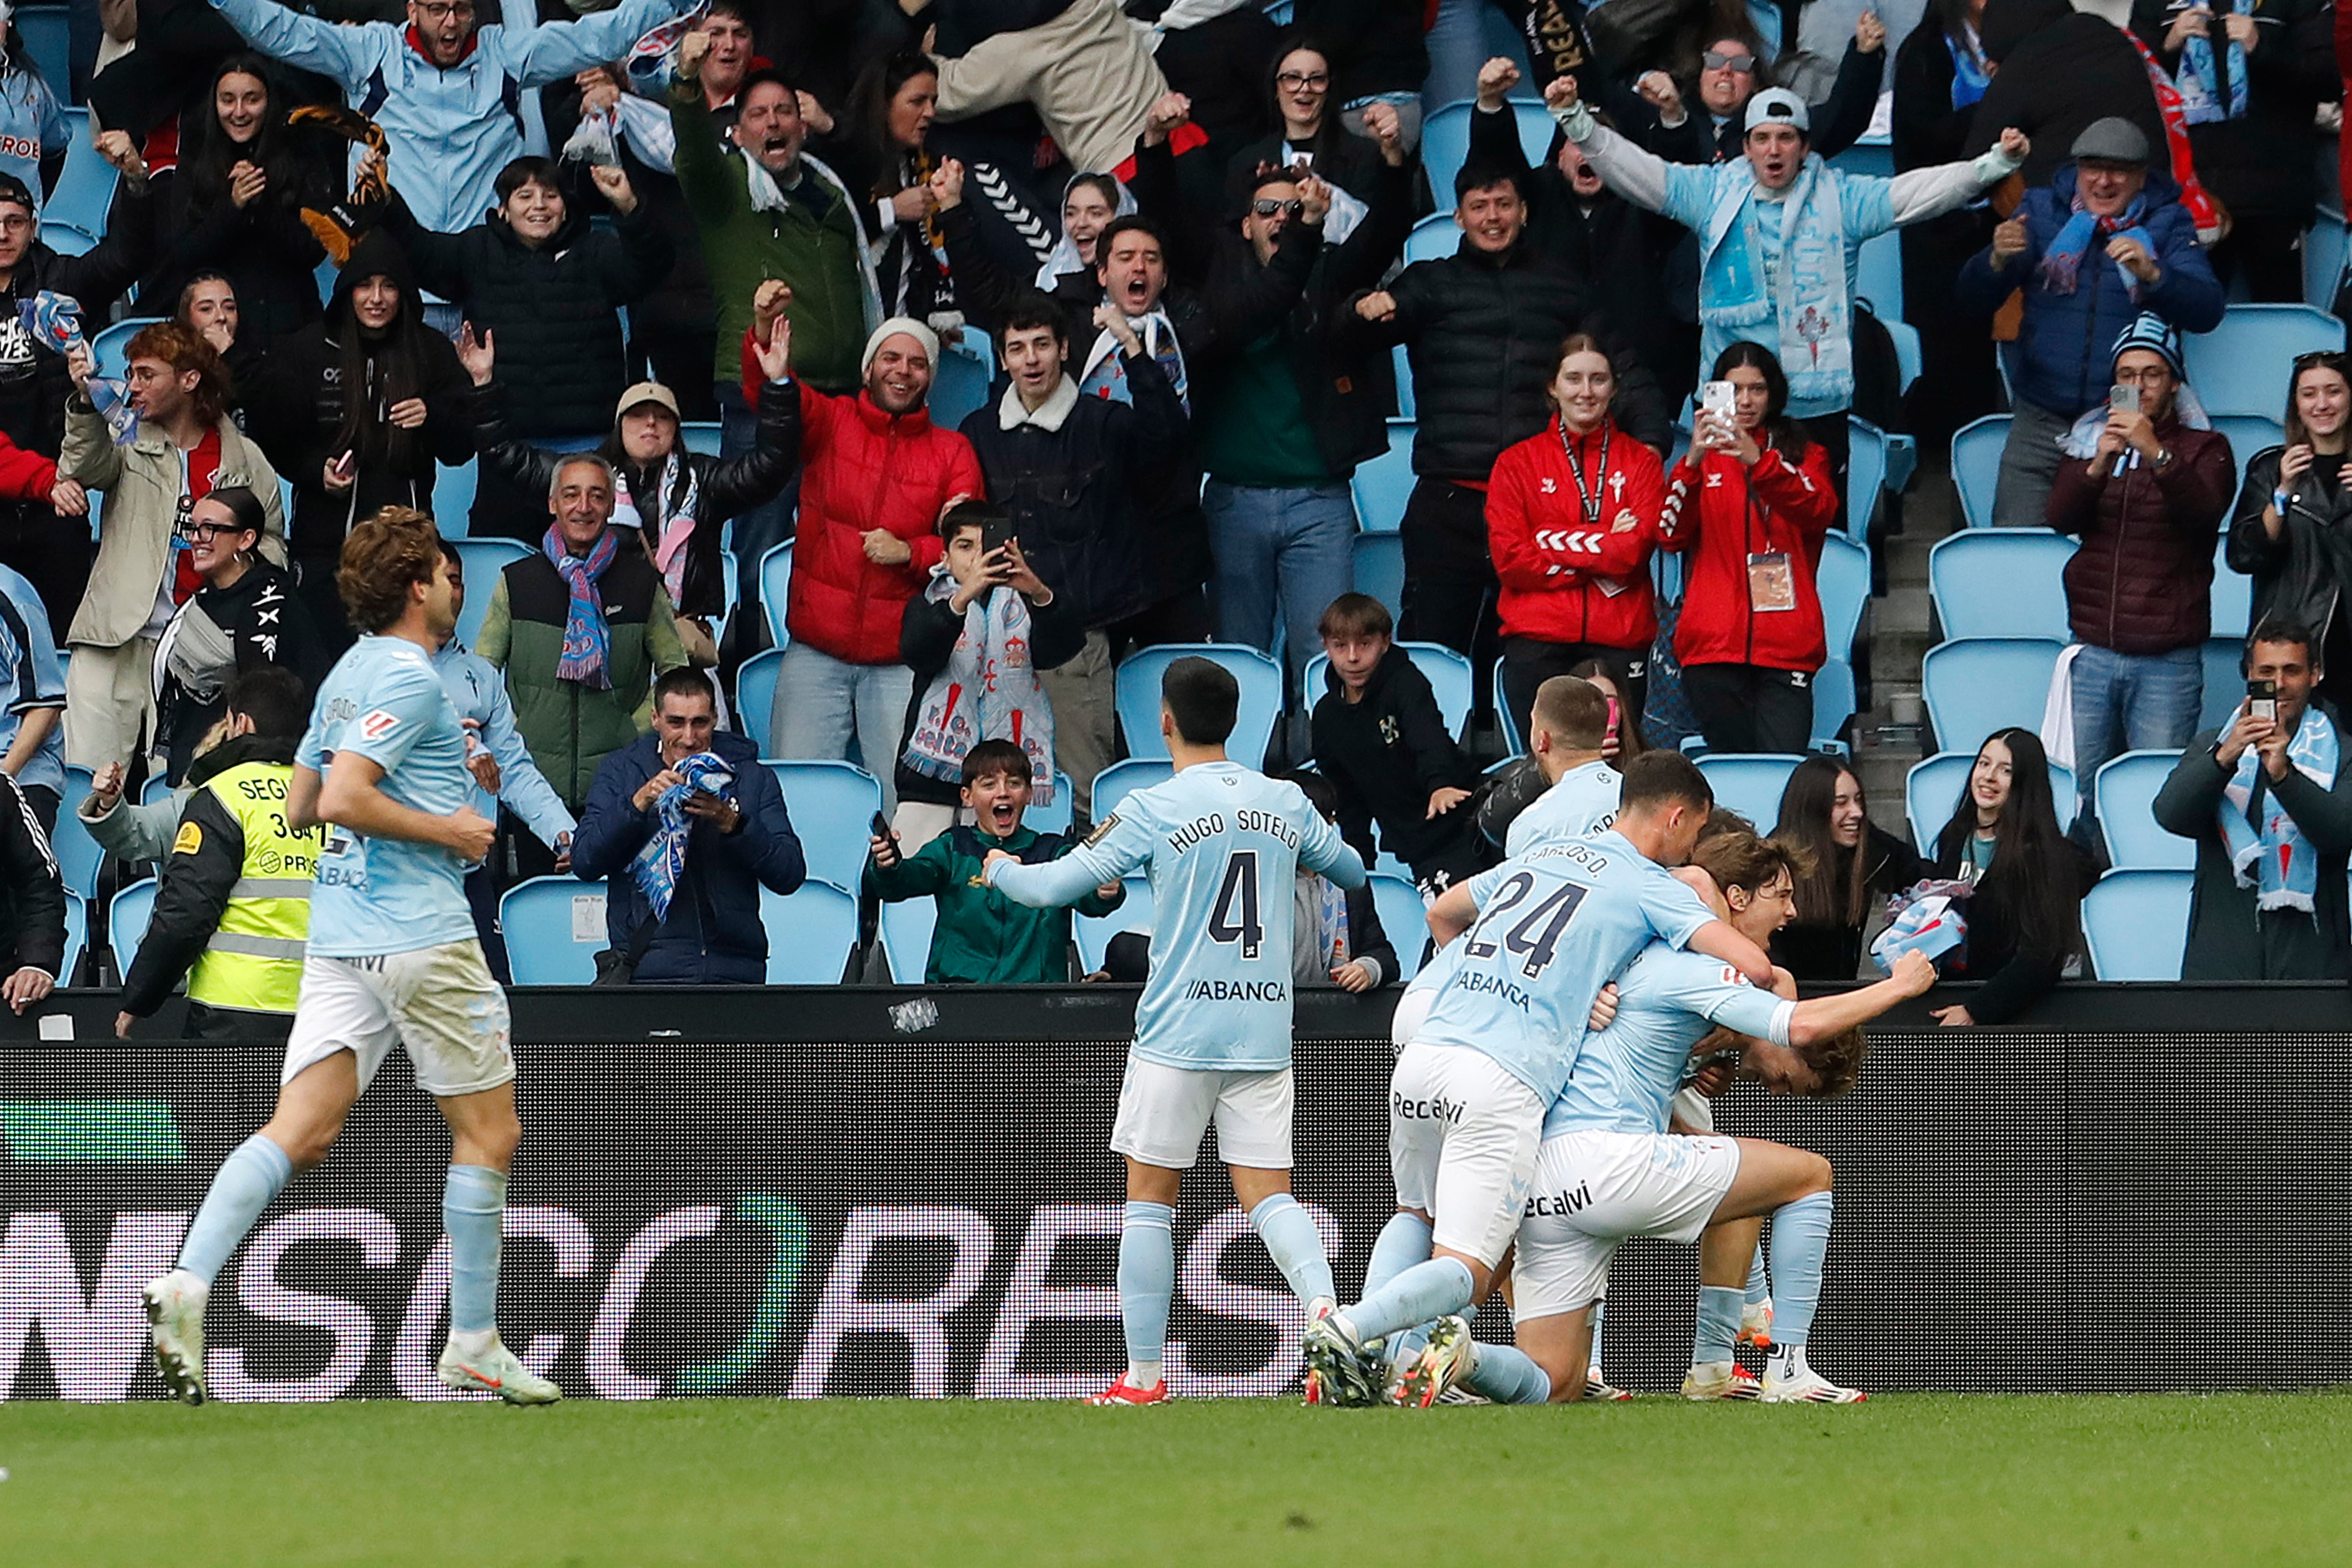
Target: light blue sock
1507,1375
1423,1293
474,1210
1718,1324
1759,1281
1289,1234
1146,1279
1800,1239
256,1171
1403,1241
1593,1362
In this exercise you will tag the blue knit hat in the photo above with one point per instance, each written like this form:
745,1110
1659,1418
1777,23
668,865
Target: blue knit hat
2151,333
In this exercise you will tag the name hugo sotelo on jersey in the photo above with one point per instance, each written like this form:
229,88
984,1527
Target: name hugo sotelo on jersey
1247,820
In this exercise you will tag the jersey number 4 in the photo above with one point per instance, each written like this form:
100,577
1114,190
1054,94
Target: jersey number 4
1535,935
1237,918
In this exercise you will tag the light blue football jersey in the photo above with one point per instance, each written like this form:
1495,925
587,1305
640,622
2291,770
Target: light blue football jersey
1625,1078
1581,803
1223,843
1552,929
384,701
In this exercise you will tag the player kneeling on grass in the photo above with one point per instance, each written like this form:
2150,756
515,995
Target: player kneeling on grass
1212,1029
1610,1169
392,959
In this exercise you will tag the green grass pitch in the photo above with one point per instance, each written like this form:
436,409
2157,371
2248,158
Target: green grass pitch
1908,1480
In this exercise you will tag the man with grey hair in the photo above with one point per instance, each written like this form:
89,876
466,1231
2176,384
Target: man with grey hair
581,630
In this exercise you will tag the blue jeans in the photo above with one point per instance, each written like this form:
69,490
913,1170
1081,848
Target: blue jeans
822,703
764,526
1291,551
2131,702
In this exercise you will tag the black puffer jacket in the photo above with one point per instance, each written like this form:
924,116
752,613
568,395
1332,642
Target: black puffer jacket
552,309
2060,71
1483,332
2263,164
2300,575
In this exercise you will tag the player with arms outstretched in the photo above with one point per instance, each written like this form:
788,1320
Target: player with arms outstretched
1223,844
392,959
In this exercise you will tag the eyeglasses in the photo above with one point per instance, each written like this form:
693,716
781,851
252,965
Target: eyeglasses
1266,206
434,11
2148,375
1716,62
1310,81
196,529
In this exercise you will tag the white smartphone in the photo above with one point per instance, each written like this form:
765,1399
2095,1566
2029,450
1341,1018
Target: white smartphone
1716,400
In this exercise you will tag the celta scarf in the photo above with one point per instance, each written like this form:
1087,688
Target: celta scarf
2203,99
678,496
989,691
1104,374
1806,293
2061,264
1970,75
661,863
587,655
2272,856
2203,210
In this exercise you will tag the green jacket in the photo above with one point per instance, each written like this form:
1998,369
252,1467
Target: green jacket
822,258
571,728
983,937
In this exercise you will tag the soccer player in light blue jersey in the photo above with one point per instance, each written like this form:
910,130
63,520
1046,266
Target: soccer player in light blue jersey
392,959
1540,938
1565,733
1223,843
1609,1168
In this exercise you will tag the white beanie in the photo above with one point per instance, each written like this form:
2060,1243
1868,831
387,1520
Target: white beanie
897,324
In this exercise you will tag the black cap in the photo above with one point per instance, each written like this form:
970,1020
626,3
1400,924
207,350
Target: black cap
12,189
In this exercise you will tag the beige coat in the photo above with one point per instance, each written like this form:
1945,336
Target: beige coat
142,484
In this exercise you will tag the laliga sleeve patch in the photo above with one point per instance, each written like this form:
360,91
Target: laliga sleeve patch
1102,829
190,841
378,724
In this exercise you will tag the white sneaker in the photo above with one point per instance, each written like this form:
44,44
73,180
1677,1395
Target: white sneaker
1720,1380
1597,1387
1803,1385
1440,1366
496,1371
1756,1325
176,1313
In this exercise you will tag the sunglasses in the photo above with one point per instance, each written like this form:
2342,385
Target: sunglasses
1717,62
2334,359
1266,206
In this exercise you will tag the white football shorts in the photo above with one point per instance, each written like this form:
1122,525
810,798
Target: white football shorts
1163,1111
440,1004
1595,1188
1463,1135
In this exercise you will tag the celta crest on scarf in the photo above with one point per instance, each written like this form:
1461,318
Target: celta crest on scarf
658,867
54,320
2275,858
1104,374
989,691
587,655
1807,292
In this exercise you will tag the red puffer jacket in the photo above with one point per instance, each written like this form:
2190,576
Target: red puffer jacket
862,470
1729,512
1574,560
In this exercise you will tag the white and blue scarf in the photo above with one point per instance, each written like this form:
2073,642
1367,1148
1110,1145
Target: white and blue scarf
1970,75
1104,374
1806,291
2201,88
659,866
2277,861
989,691
677,495
2061,264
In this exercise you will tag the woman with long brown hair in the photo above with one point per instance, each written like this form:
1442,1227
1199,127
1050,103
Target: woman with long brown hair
1849,864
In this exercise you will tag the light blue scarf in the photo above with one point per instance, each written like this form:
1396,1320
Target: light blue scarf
2201,88
1969,76
2277,861
662,862
1807,293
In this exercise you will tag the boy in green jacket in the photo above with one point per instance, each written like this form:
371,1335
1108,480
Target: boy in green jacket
983,937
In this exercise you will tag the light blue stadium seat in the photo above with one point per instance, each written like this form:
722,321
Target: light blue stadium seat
1136,694
85,184
66,239
1514,739
2225,687
157,788
2135,924
77,935
484,560
965,371
1873,155
1445,144
775,590
810,933
2324,247
1749,783
46,32
1865,474
78,853
126,921
1843,581
1975,685
1878,276
831,805
109,345
1932,788
453,496
2234,593
1055,818
1976,465
554,927
2241,366
1384,486
703,437
2251,433
2126,791
1434,238
905,929
1118,780
1401,367
1379,569
1093,932
1403,917
755,694
2001,582
1835,702
1451,681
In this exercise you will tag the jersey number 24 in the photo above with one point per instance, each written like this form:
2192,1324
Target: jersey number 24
1535,935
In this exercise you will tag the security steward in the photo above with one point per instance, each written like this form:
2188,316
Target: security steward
233,909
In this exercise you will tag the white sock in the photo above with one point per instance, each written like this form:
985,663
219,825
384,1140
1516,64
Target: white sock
1142,1374
475,1342
1788,1361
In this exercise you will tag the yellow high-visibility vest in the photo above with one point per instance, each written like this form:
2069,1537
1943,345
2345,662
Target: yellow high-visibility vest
254,961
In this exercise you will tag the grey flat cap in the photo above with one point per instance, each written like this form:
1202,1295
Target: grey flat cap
2114,139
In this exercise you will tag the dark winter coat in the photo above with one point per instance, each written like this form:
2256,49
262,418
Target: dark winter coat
32,889
2060,71
1839,120
2142,581
2266,164
1386,754
713,936
928,630
2013,980
2300,575
1832,950
263,248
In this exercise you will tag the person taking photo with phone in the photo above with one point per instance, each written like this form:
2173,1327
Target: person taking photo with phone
2269,802
2293,534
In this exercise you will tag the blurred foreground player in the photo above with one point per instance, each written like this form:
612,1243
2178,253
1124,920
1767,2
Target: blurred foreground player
1223,844
393,957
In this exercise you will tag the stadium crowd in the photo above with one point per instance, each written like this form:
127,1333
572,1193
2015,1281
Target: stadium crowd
1049,333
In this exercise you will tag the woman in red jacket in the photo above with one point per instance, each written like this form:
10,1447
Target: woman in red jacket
1571,519
1754,499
